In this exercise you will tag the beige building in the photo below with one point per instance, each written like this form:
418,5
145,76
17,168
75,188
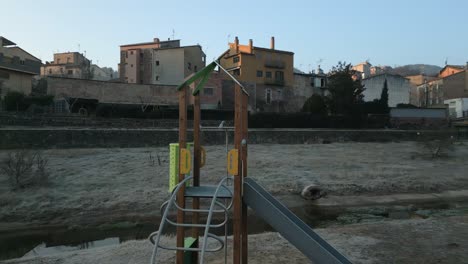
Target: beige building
69,64
268,72
17,67
364,69
102,74
159,62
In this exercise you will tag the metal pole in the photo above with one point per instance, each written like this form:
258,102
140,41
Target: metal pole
181,193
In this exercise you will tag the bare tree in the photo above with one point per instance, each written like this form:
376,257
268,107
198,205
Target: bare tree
18,167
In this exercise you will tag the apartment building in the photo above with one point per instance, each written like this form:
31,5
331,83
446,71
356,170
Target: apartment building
69,65
268,71
452,83
17,67
159,62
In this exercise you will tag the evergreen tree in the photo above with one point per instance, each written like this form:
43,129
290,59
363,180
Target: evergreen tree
345,92
384,98
315,104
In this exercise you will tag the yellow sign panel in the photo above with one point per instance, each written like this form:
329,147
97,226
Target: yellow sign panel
233,162
185,161
202,157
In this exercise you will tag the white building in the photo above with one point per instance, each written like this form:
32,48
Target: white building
457,107
173,64
398,88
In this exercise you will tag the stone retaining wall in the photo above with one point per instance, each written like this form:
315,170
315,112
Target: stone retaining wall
109,138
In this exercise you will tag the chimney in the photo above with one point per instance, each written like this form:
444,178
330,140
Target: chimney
250,45
272,43
156,40
236,44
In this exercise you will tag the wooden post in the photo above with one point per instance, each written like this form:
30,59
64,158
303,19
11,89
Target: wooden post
237,206
196,170
245,127
181,193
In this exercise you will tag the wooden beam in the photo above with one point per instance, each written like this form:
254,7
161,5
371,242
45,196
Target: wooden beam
245,127
196,170
237,199
181,194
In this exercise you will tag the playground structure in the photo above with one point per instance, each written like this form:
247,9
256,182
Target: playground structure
243,193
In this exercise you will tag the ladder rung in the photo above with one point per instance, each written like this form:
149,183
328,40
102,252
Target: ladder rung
207,192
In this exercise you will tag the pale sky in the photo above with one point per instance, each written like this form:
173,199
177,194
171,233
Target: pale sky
391,33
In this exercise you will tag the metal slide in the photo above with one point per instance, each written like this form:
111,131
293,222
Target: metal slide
289,225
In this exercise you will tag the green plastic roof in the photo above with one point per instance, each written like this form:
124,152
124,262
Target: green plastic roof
203,74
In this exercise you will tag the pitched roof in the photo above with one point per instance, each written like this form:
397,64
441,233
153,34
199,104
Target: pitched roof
7,42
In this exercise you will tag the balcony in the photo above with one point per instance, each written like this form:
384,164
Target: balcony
274,82
276,64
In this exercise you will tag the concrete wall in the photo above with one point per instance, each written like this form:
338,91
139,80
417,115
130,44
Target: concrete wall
15,81
398,88
194,56
302,90
109,138
456,85
126,93
171,66
107,92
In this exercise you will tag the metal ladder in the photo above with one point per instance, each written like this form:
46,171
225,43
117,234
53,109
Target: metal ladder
214,193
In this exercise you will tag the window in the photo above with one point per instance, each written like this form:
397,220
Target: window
235,59
157,63
268,74
70,72
280,94
268,96
322,82
131,65
61,70
141,55
237,72
131,52
259,73
195,68
189,66
312,82
157,78
50,71
279,76
58,61
68,60
126,54
22,62
208,91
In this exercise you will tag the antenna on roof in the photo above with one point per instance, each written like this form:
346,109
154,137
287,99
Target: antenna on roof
228,37
173,34
78,47
446,60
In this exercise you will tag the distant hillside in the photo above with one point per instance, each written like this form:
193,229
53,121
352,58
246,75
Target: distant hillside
415,69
